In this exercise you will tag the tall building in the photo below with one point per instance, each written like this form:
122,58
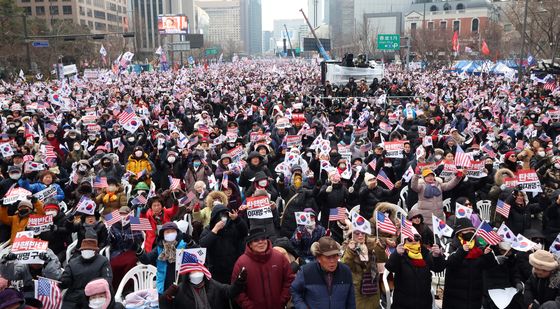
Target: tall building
100,16
293,26
224,27
341,22
144,17
315,12
251,26
267,38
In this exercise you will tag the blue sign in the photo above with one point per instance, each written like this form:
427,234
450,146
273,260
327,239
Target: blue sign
40,43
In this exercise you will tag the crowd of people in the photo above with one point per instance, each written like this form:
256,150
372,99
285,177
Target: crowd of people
301,195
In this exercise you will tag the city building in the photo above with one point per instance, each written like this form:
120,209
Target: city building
267,39
225,22
251,26
341,22
316,12
100,16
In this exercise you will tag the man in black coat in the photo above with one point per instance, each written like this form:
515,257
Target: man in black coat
80,271
544,283
371,194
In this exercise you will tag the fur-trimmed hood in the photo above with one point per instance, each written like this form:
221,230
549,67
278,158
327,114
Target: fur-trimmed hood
499,178
384,207
216,195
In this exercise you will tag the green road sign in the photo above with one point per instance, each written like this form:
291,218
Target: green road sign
211,51
388,41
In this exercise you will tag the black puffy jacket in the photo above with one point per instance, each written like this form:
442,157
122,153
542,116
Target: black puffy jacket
218,294
301,199
370,197
78,273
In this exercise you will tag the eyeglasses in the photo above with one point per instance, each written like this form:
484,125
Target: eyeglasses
259,239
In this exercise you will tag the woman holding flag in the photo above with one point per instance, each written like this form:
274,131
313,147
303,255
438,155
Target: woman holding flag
465,265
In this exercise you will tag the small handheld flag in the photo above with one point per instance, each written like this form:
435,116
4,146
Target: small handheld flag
463,211
440,228
384,179
48,292
506,234
360,223
303,218
487,233
384,224
140,224
112,218
336,214
503,208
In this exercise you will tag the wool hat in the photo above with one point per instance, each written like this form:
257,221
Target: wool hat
463,224
9,297
89,244
544,260
368,177
25,203
51,203
325,246
98,286
256,233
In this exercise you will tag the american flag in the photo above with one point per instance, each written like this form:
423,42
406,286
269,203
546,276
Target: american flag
489,150
461,158
336,214
100,182
139,200
389,250
50,127
503,208
140,224
28,130
384,179
373,164
225,180
174,183
487,233
407,230
48,292
112,218
126,116
190,263
384,224
141,173
550,84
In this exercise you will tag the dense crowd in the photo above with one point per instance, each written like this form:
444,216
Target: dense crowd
294,195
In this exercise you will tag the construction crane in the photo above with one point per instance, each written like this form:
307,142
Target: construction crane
319,45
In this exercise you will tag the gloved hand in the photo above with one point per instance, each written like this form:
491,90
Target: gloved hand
351,190
501,259
329,189
519,287
535,304
170,293
54,228
328,232
9,257
44,256
298,235
138,249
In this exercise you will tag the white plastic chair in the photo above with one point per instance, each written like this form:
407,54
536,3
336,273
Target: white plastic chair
143,276
403,197
5,250
447,204
355,209
69,251
388,293
484,208
106,251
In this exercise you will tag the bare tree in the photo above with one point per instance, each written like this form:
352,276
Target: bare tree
543,25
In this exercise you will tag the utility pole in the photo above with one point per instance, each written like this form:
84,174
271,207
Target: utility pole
25,36
408,51
520,67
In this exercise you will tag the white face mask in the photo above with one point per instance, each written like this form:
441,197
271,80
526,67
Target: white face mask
112,188
77,147
138,153
170,237
438,157
15,176
171,159
263,183
557,166
97,303
82,168
541,153
130,139
88,254
196,277
51,213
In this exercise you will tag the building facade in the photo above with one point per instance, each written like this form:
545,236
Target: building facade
100,16
251,26
224,21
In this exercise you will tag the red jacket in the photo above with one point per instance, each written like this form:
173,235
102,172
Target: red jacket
151,236
269,277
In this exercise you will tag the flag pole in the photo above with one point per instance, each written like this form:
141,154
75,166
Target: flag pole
478,228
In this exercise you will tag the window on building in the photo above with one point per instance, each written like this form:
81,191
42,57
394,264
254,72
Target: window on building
99,14
433,8
413,26
431,25
53,10
25,1
38,0
82,11
27,10
82,22
460,6
474,25
443,25
508,27
100,26
456,25
89,13
40,10
447,7
67,10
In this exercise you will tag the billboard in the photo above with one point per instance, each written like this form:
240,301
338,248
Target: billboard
173,24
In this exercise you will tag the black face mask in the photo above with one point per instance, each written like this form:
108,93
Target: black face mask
489,167
467,236
24,212
84,189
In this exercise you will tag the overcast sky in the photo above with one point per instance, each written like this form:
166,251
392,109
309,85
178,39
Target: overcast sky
281,9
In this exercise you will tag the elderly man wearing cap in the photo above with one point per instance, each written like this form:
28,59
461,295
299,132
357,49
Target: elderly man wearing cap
325,283
80,271
269,274
430,191
544,283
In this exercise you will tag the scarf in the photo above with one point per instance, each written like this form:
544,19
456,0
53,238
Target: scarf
415,255
199,294
169,251
474,251
109,197
431,191
363,253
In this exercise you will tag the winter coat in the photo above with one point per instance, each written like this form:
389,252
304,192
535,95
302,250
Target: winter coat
206,213
17,224
304,199
519,218
370,197
78,273
167,214
218,294
359,268
303,245
57,236
250,171
136,165
39,186
433,205
551,222
309,289
463,279
123,239
269,276
113,203
225,247
413,284
330,200
551,180
115,171
98,228
50,269
502,276
542,290
165,275
200,174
